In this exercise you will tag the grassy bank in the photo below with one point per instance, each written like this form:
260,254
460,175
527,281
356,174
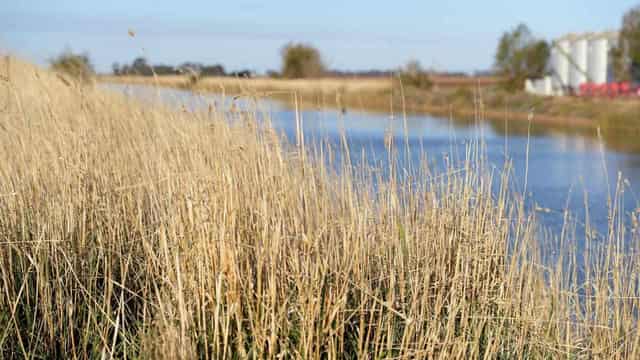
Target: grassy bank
143,232
447,97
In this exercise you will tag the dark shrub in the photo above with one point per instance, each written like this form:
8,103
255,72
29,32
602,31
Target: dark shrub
301,61
413,75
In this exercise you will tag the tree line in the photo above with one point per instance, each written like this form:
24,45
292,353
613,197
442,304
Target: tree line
140,66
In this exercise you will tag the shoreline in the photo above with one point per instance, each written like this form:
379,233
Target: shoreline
371,95
617,119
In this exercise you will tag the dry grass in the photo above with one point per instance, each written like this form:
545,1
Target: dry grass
130,231
450,95
261,84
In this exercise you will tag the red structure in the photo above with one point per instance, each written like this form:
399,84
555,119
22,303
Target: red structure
613,89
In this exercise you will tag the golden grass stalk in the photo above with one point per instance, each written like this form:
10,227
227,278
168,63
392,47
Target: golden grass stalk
137,231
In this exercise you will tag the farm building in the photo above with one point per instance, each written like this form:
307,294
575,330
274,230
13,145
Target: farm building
576,60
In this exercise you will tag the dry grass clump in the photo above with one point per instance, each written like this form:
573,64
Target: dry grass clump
77,66
131,231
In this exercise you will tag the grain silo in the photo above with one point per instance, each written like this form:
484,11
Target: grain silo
578,62
560,54
598,59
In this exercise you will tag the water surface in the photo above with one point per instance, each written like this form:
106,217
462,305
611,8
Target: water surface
564,167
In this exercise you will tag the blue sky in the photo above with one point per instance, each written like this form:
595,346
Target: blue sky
445,35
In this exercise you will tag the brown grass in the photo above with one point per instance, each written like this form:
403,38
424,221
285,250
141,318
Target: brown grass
234,85
131,231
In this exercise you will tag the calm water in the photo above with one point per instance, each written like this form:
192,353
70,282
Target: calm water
563,165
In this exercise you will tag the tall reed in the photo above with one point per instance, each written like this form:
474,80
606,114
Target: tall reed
136,231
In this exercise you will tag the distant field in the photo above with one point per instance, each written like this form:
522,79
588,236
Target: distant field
326,85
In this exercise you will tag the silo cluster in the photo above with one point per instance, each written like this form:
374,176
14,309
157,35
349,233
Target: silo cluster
577,59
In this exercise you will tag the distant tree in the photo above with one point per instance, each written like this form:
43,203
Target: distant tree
213,70
75,65
620,64
139,62
164,70
301,61
626,56
413,67
125,69
115,68
140,66
414,75
537,58
520,56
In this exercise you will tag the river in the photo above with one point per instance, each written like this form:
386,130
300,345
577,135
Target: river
564,169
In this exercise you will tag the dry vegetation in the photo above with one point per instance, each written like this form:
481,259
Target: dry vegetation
130,231
231,85
449,95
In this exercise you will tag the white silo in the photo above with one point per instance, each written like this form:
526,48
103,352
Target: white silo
598,59
547,86
579,62
560,54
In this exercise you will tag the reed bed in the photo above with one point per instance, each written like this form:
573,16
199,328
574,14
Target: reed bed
134,231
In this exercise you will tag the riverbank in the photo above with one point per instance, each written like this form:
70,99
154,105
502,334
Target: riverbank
446,98
615,122
133,231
